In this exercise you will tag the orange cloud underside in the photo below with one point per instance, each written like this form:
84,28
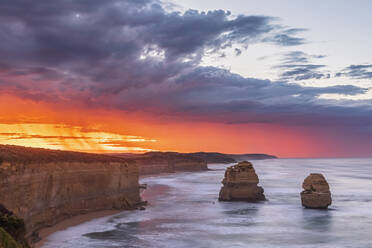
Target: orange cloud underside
37,124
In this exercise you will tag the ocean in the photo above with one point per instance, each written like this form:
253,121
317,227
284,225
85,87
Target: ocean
184,211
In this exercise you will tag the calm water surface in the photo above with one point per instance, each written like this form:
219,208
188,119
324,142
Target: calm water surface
184,211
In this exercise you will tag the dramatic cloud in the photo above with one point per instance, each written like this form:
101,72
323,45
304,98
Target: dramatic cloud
214,94
109,46
138,56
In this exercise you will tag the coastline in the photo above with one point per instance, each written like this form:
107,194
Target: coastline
82,218
70,222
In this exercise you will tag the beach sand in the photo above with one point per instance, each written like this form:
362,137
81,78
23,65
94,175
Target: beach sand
73,221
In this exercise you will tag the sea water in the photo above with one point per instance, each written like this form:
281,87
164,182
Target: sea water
184,211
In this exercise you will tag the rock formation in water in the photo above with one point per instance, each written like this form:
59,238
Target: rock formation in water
240,184
316,193
44,187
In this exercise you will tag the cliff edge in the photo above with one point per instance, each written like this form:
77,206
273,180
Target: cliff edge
44,187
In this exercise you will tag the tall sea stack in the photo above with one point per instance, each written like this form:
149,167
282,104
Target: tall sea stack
240,184
316,193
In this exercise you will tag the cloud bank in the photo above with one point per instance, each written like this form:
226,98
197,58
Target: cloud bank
138,56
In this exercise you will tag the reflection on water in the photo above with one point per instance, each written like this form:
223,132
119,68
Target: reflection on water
184,211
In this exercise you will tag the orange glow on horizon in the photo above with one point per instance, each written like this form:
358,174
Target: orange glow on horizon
65,137
37,124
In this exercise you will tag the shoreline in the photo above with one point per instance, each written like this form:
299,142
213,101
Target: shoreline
82,218
78,219
70,222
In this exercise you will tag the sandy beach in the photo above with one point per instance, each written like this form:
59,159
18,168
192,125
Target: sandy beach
73,221
79,219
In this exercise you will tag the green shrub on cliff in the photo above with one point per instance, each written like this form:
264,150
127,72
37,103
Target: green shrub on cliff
12,229
13,225
6,241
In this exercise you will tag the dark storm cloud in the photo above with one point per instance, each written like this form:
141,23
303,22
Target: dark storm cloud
363,71
212,94
61,31
137,56
101,42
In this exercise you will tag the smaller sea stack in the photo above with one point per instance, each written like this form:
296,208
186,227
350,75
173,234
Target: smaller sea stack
316,192
240,184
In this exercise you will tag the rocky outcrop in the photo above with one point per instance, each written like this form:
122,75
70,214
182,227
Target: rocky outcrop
44,187
240,184
165,162
316,193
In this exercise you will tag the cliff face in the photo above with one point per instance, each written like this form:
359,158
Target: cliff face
45,187
166,162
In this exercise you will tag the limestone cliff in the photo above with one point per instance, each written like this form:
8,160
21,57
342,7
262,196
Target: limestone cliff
240,184
45,187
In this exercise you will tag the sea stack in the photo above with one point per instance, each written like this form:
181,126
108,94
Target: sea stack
240,184
316,193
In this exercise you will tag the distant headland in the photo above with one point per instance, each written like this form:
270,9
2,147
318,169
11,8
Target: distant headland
209,157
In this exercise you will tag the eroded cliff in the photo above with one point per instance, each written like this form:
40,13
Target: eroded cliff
45,187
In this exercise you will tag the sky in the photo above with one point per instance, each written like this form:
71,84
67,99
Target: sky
288,78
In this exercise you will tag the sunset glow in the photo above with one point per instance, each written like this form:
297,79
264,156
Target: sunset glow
65,137
172,78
